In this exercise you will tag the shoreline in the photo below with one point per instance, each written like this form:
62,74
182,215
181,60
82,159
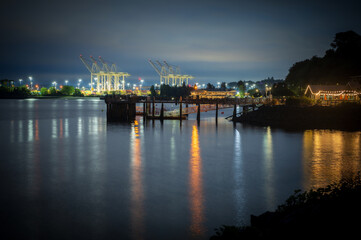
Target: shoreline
343,117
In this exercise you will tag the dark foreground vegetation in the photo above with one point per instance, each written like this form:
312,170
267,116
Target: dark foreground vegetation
323,213
346,116
14,92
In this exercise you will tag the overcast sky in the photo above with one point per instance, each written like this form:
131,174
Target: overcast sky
211,40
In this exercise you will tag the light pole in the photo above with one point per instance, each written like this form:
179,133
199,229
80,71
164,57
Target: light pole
20,80
79,83
31,82
66,82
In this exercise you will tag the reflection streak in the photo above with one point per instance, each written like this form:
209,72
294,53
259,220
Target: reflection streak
324,156
196,192
137,192
268,165
238,177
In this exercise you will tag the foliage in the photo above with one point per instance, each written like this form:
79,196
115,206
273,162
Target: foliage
323,212
153,93
10,92
241,88
255,92
168,91
78,93
281,89
67,90
299,101
336,66
44,91
223,86
210,87
346,187
53,91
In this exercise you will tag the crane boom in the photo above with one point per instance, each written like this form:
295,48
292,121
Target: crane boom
105,65
155,67
170,68
95,63
86,64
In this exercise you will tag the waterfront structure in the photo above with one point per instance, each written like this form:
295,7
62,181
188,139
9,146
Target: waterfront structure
105,77
169,74
333,92
213,94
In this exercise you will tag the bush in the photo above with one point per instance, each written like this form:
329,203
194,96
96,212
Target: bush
324,212
78,93
67,90
299,101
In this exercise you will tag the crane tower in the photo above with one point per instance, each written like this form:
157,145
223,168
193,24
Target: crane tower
169,74
105,77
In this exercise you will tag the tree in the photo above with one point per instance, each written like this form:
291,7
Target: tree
78,93
67,90
335,67
281,89
210,87
223,86
44,91
255,92
153,93
241,88
53,91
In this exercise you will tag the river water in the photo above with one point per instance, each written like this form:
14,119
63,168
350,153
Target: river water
68,174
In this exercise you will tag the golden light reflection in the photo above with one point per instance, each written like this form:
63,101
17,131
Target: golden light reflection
329,156
196,191
61,131
36,129
137,192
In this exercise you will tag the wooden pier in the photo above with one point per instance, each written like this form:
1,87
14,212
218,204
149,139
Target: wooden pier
123,108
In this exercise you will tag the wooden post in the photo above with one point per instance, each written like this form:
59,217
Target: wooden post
216,112
198,110
153,110
234,112
180,108
144,110
161,116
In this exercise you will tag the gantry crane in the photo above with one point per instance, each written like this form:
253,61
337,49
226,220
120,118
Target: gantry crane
169,74
107,78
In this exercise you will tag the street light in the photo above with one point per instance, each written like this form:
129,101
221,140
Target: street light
20,80
79,82
31,82
66,82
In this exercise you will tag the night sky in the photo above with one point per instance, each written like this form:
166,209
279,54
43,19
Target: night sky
211,40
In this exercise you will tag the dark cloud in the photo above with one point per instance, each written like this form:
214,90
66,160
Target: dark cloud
216,40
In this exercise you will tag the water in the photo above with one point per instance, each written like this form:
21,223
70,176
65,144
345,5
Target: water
67,174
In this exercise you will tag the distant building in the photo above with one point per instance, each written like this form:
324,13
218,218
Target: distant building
213,94
349,92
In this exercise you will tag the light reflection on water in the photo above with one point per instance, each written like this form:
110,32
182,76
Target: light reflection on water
137,192
196,196
63,167
329,156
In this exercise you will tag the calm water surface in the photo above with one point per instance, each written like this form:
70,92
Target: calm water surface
68,174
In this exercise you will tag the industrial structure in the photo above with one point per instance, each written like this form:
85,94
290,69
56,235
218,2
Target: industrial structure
104,77
169,74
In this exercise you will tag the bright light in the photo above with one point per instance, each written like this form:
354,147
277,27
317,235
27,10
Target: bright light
30,78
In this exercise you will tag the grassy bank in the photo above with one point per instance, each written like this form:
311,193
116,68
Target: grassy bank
333,211
342,117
